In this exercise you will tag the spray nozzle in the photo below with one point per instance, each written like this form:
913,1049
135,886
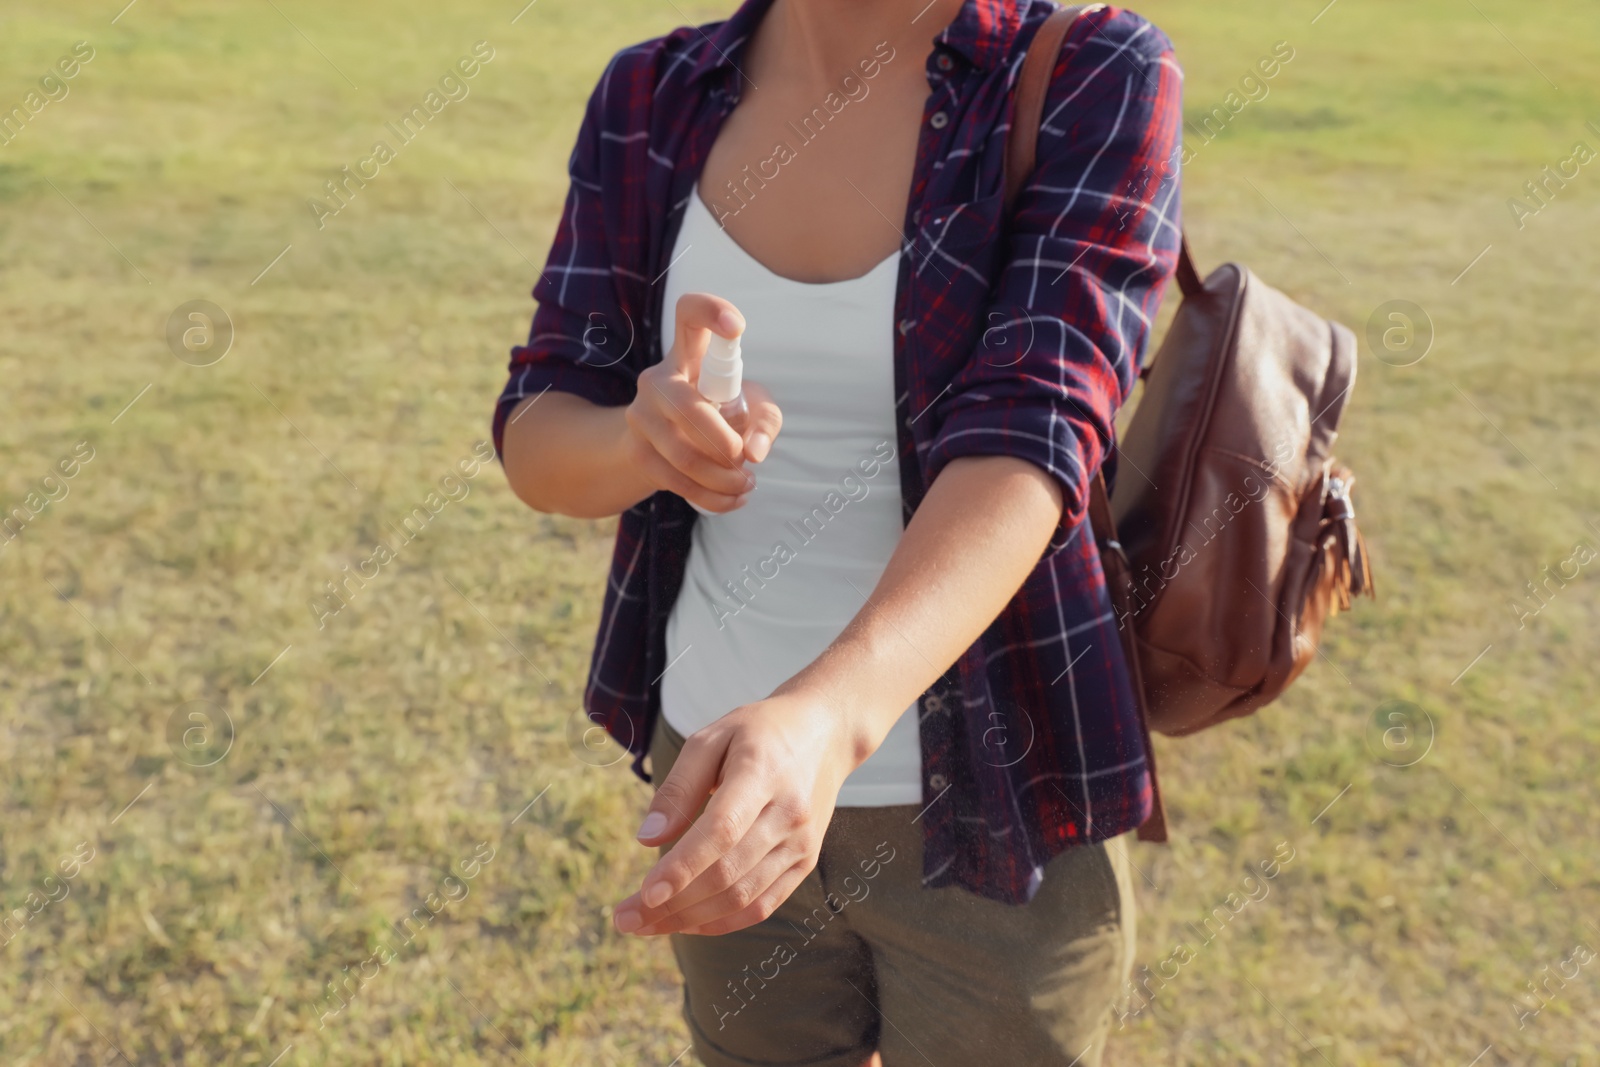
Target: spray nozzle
722,370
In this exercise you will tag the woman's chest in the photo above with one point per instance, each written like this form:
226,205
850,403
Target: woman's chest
815,185
822,202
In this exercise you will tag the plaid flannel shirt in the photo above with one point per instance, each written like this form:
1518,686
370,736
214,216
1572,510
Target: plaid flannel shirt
1017,336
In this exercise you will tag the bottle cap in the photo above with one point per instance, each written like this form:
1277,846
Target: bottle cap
722,370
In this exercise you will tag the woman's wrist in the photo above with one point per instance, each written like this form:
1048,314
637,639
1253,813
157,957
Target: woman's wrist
861,712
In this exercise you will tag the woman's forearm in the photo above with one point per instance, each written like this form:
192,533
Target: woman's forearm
568,456
972,542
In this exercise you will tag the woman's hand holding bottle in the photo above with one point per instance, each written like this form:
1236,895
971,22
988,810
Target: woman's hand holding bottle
677,439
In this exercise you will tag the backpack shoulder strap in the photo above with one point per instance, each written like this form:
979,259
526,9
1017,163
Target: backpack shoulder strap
1022,143
1032,82
1021,150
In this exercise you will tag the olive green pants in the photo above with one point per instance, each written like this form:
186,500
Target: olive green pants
862,957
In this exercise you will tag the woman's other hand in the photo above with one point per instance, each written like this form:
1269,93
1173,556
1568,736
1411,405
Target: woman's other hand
768,775
676,440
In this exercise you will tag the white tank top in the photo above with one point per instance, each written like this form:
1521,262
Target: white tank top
768,587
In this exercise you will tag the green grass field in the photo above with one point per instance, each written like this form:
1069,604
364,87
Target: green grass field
180,895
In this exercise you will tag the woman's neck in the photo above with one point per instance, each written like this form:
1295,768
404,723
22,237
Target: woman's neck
819,41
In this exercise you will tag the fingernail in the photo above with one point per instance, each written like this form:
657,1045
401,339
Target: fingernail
653,824
758,447
727,323
626,920
657,894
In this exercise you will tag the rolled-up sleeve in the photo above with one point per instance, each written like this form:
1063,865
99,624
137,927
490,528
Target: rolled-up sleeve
1093,240
582,339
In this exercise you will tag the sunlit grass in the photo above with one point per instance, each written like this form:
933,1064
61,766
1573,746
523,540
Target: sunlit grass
374,754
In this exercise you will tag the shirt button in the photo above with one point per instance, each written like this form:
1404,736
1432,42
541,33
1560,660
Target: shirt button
938,781
943,62
939,120
906,324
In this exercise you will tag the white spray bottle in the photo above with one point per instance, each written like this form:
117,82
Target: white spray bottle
722,383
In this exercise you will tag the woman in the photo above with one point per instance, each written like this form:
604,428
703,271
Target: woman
877,677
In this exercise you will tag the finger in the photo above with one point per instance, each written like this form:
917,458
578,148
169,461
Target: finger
685,789
739,799
697,419
660,428
765,422
762,907
695,316
666,441
665,476
733,896
625,917
769,834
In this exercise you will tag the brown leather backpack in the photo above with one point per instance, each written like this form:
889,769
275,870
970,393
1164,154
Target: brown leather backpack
1231,537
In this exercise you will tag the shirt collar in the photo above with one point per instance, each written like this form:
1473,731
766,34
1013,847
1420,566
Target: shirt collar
725,43
982,33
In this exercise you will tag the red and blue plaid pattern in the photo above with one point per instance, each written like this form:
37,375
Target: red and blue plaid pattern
1018,337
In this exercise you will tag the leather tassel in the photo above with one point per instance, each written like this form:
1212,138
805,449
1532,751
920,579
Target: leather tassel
1360,565
1340,538
1333,546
